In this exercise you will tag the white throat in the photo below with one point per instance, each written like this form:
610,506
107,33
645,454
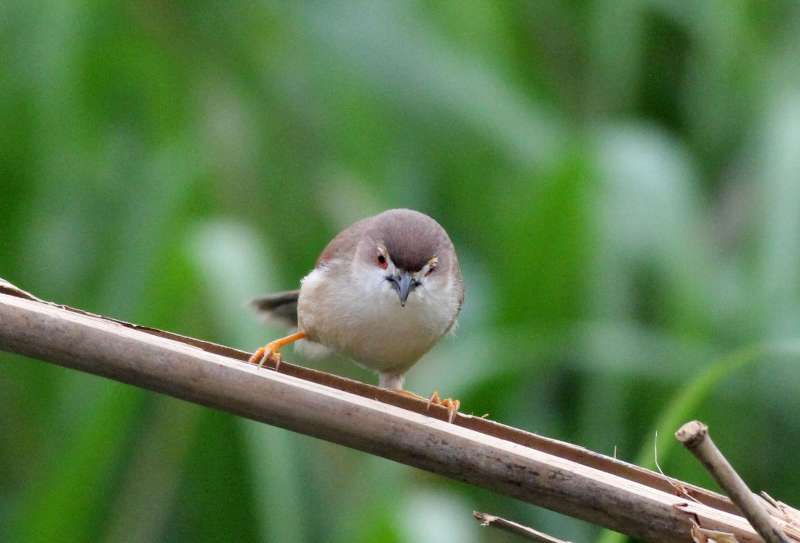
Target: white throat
355,310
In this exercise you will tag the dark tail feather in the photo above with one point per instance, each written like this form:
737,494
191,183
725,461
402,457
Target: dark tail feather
281,306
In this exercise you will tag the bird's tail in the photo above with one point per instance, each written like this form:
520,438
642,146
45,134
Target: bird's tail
281,306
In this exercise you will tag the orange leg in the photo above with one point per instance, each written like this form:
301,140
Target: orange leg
272,349
448,403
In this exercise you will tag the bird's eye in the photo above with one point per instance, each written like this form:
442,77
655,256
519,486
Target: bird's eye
382,261
432,266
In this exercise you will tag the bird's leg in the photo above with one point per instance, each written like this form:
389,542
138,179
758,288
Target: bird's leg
448,403
272,349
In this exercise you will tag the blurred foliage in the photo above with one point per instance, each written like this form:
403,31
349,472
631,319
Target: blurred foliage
621,178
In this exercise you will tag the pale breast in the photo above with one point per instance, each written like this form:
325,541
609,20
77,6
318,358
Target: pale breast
363,318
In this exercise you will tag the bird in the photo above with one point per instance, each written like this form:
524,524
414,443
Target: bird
383,292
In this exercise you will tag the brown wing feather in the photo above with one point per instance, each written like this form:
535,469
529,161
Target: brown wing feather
344,243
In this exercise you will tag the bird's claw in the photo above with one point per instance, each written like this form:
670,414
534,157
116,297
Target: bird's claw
264,354
448,403
270,351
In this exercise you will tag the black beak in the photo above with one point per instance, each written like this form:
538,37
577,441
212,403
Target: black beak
403,283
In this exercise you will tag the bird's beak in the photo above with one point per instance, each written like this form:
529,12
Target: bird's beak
403,283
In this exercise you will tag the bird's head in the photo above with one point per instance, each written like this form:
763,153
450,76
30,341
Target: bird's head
407,253
403,281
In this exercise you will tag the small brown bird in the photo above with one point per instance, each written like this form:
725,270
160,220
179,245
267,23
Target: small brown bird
383,292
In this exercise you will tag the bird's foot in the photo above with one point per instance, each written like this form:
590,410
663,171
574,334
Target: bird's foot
265,354
271,351
448,403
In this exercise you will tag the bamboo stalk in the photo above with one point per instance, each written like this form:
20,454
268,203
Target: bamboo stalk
538,470
694,436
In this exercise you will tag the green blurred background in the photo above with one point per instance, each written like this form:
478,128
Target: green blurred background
620,177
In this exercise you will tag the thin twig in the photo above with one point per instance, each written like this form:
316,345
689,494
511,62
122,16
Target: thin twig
542,471
704,535
694,435
515,528
677,485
